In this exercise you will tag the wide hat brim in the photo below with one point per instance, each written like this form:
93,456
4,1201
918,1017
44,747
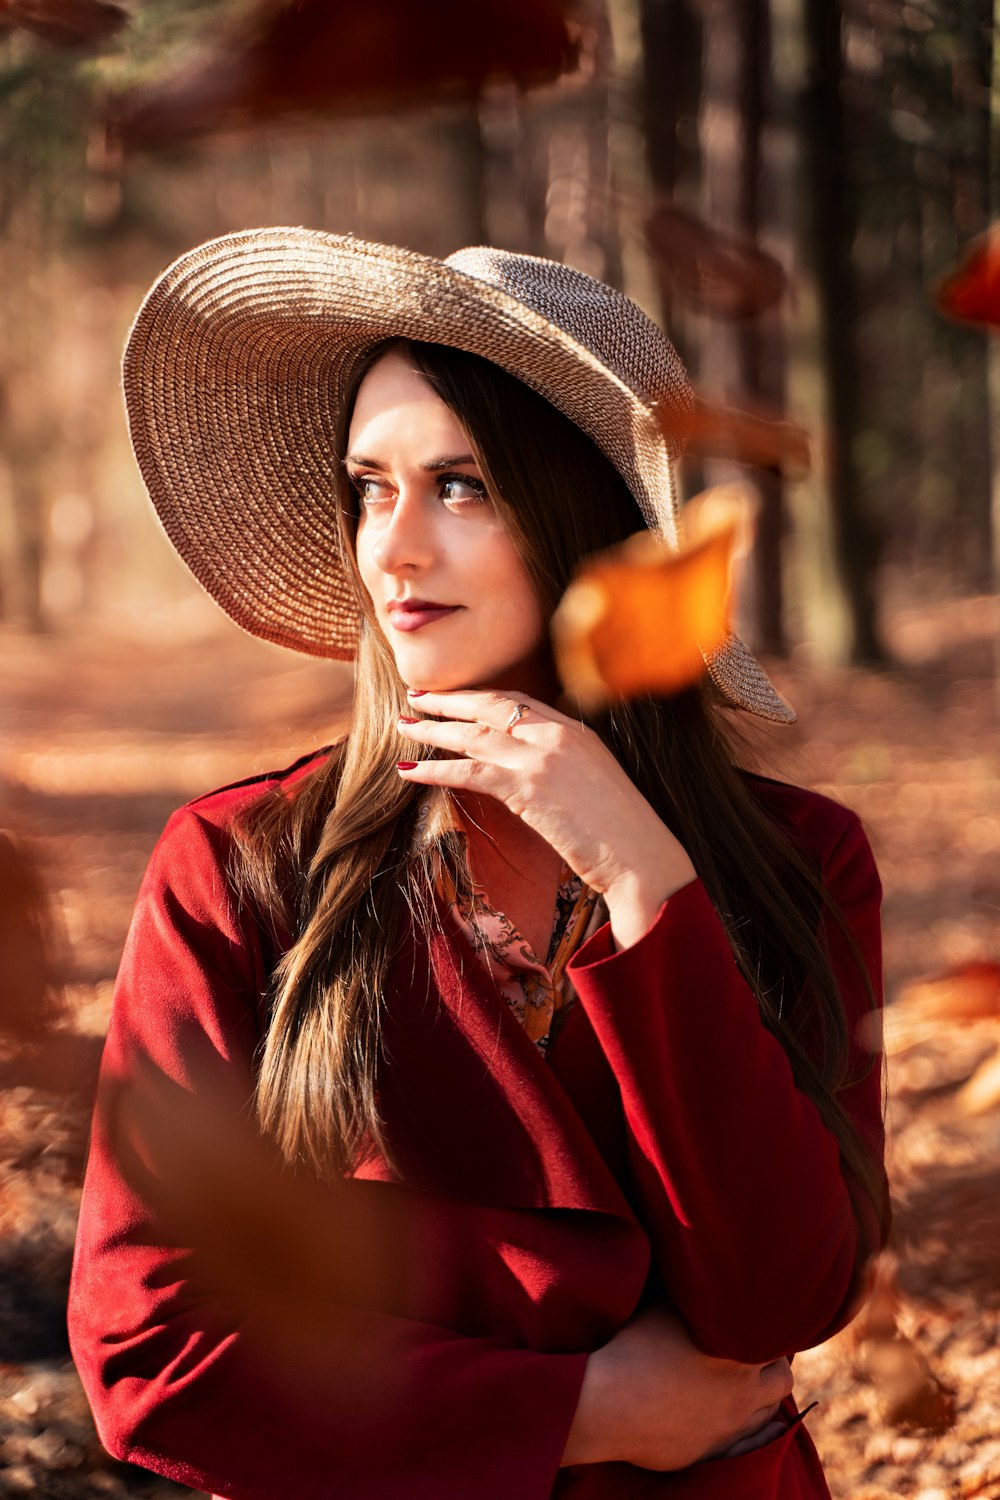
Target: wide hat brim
234,373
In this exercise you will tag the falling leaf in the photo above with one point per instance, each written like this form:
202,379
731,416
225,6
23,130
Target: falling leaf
259,1235
910,1395
971,292
756,437
66,23
720,506
965,992
640,618
881,1308
716,272
313,57
29,1001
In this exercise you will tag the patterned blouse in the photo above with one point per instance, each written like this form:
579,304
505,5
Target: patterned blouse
538,993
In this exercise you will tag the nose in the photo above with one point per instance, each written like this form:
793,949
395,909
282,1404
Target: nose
405,542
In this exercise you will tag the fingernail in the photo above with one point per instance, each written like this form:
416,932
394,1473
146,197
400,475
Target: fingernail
404,720
406,765
416,692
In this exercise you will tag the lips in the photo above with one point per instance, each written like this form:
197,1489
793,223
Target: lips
414,614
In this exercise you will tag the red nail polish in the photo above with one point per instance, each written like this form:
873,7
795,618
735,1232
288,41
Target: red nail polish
416,692
406,765
404,720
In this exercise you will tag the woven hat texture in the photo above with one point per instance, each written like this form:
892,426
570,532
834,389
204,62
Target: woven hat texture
234,373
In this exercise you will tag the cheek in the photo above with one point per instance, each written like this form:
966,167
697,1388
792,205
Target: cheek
515,597
364,561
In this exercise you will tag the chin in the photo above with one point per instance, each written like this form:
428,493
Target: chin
441,671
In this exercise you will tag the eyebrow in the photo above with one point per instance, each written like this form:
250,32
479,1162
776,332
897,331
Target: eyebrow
449,461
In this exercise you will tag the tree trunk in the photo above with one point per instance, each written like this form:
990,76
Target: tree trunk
630,173
835,546
744,358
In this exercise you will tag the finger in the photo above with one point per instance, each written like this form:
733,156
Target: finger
457,775
477,741
489,708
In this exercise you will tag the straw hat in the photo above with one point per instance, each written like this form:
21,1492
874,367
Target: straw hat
234,372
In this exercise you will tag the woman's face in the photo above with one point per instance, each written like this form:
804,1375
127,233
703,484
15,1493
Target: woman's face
450,592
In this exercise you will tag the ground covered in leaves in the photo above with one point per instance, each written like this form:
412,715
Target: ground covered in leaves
100,739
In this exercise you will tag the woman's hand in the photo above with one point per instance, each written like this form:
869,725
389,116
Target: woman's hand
651,1398
561,779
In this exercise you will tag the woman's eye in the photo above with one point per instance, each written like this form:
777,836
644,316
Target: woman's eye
371,491
462,489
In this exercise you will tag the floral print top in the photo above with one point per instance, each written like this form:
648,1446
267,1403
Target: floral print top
538,993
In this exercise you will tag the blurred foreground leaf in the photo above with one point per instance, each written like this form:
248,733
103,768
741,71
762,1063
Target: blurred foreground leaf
910,1395
715,272
971,292
30,1001
318,56
965,992
640,618
65,23
259,1236
760,439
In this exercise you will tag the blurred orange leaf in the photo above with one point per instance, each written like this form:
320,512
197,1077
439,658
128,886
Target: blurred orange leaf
639,619
966,992
971,292
713,271
30,1001
720,506
910,1394
749,437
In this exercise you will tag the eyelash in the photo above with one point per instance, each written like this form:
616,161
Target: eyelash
358,481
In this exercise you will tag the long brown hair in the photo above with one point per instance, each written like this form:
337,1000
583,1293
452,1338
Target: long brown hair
335,865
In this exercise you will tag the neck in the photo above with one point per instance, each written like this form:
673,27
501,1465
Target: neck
497,834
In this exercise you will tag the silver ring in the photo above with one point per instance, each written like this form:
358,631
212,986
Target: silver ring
520,709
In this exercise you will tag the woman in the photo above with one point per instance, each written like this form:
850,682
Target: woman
558,1025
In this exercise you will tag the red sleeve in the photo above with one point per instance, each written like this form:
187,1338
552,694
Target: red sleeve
197,1387
760,1239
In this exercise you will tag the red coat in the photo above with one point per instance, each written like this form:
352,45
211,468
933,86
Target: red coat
663,1143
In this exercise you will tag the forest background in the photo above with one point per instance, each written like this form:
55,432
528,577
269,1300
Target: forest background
785,185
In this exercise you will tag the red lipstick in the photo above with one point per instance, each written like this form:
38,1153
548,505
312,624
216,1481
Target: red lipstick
414,614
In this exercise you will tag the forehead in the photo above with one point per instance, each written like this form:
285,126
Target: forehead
393,396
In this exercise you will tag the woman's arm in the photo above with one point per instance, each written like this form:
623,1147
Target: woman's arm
227,1322
650,1397
759,1234
183,1377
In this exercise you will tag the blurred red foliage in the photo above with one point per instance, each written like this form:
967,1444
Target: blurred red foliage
308,56
715,272
64,23
971,292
